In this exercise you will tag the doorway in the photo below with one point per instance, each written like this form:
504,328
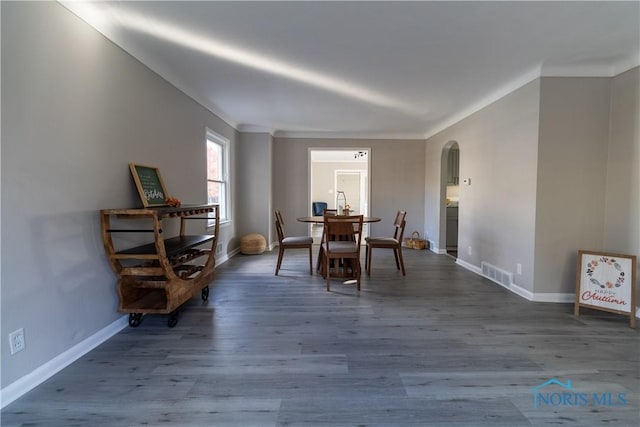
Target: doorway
451,196
339,177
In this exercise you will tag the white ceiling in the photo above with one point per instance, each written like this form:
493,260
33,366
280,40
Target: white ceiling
364,69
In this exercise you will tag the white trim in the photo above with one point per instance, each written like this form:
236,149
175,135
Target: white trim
348,135
39,375
225,146
498,94
469,267
554,297
524,293
520,291
42,373
249,128
435,249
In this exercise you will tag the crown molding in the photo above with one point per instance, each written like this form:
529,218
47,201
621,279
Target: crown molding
501,92
249,128
349,135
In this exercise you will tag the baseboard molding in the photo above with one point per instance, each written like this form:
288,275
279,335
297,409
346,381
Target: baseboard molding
39,375
525,293
469,267
436,249
42,373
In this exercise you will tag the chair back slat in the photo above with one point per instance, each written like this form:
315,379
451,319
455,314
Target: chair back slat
398,225
279,226
343,228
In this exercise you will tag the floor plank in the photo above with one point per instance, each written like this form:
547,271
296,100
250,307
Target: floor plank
440,346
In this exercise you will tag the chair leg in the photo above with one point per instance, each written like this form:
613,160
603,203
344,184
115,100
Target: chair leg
358,272
401,261
326,270
366,256
368,260
310,260
395,254
280,253
320,261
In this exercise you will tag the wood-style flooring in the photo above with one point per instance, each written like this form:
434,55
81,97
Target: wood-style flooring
439,347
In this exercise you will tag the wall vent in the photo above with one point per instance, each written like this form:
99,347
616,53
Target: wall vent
493,273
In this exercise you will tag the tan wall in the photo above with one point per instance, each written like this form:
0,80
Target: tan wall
397,179
323,185
76,110
253,212
622,209
572,168
498,151
622,212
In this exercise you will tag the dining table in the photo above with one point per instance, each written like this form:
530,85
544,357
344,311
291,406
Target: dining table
319,219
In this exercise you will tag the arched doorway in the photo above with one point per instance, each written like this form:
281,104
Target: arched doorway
450,190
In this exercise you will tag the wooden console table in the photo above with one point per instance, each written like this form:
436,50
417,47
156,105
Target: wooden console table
160,276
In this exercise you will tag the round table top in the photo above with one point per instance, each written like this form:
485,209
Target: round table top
320,219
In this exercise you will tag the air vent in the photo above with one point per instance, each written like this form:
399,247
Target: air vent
493,273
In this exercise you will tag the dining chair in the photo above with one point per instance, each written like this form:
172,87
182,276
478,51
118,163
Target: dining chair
342,238
394,242
292,242
318,207
325,212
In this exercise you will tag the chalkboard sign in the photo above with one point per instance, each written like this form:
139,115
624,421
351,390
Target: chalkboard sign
606,281
150,185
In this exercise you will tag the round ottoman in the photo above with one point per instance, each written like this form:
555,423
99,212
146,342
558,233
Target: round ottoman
253,244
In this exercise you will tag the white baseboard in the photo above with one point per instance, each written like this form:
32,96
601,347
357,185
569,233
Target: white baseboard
525,293
39,375
436,249
469,267
30,381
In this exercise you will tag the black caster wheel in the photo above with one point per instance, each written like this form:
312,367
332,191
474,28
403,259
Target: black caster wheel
173,319
205,293
135,319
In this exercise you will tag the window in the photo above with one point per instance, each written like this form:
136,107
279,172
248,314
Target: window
218,173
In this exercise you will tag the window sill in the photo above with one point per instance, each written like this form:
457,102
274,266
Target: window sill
223,224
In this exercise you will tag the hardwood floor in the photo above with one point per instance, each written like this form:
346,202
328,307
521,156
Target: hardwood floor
438,347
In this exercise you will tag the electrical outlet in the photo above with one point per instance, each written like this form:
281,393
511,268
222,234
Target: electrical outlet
469,250
219,248
16,341
519,268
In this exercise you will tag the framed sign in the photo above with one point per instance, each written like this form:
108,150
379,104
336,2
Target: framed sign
606,281
149,184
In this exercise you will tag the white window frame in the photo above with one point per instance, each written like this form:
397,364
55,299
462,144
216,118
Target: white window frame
225,208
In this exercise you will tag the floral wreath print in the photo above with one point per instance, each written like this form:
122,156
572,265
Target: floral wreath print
593,265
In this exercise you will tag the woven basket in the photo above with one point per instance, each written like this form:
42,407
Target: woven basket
253,244
415,242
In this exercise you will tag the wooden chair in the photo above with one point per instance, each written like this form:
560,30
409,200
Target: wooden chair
325,212
394,243
342,238
293,242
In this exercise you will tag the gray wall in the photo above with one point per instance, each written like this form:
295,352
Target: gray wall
76,110
396,176
622,208
323,185
572,170
554,168
253,190
498,150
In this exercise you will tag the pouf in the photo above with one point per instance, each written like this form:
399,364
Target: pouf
253,244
